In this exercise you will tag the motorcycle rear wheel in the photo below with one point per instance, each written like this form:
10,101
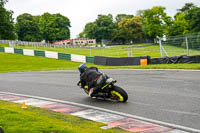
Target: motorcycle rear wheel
117,93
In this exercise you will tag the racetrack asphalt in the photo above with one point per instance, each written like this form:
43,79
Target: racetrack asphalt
171,96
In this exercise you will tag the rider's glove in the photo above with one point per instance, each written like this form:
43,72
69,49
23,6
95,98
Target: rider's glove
79,83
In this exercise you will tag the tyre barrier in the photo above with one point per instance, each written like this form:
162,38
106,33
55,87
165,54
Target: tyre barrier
184,59
121,61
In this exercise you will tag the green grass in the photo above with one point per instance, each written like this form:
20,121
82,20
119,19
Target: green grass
21,63
14,119
4,45
16,63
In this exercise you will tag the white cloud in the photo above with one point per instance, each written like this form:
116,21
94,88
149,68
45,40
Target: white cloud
81,12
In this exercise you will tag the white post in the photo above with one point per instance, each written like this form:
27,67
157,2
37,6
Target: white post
90,51
186,40
160,43
164,51
118,52
131,52
10,45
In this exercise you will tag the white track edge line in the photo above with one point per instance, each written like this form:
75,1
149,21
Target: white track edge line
72,70
179,127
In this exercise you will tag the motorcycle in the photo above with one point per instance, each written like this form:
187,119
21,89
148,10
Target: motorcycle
109,91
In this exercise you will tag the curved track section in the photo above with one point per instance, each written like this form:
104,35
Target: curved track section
168,96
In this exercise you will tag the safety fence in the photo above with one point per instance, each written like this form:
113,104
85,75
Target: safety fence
16,43
106,61
188,44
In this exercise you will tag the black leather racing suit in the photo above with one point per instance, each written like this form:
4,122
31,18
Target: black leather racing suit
93,79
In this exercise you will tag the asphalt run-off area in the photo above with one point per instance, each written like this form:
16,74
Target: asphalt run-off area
168,96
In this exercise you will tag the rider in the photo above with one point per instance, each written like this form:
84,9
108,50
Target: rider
92,78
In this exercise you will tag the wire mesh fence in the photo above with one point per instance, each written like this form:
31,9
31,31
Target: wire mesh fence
97,50
188,44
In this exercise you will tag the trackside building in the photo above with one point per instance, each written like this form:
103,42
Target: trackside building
74,42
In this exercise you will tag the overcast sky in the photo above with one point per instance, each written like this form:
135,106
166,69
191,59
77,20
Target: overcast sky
81,12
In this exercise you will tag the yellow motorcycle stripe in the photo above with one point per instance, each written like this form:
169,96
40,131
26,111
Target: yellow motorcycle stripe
104,86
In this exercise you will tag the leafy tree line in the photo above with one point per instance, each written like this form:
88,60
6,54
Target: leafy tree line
6,22
149,24
49,27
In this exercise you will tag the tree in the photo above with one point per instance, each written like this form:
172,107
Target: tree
54,27
193,18
120,17
62,25
3,2
27,28
156,22
132,28
179,26
89,31
187,7
118,35
6,22
101,28
105,27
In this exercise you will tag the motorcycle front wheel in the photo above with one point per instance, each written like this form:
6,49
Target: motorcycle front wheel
117,93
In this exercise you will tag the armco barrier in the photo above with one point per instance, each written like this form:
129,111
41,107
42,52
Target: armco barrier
122,61
78,58
18,51
64,56
50,54
39,53
28,52
2,49
9,50
89,59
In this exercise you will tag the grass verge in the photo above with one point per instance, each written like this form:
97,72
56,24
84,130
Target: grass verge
21,63
14,119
